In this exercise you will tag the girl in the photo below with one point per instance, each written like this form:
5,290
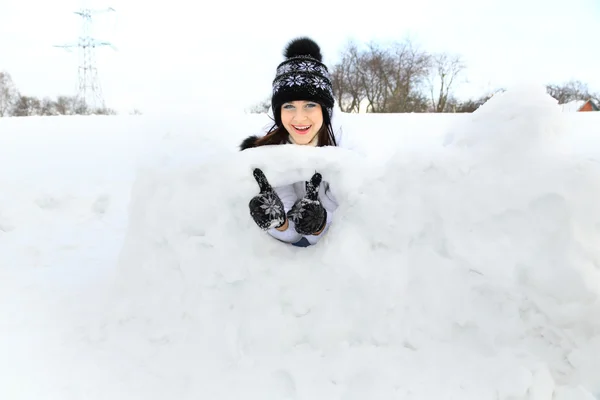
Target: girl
302,103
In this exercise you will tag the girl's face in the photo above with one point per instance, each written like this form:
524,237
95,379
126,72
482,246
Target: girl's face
302,119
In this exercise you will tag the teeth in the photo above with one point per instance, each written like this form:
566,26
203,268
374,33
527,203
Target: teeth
302,128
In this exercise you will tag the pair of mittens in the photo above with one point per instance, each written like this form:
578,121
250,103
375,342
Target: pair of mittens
308,214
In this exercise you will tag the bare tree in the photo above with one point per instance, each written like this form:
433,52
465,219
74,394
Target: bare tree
80,107
26,106
13,103
346,81
386,78
48,107
445,70
8,94
596,98
469,105
30,105
372,68
409,68
569,91
261,107
69,105
103,111
64,105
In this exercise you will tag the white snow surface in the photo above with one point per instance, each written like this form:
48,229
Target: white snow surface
462,263
572,106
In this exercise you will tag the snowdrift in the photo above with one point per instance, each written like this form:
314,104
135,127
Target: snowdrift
463,263
469,271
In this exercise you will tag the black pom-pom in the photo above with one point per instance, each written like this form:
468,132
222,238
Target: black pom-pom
303,46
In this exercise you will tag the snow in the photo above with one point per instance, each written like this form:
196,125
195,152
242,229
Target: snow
572,106
462,262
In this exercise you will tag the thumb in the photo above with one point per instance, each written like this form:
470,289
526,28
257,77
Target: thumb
263,184
312,187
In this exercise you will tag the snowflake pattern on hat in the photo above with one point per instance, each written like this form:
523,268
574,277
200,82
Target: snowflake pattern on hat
307,67
299,80
309,77
284,69
303,66
319,83
293,80
276,86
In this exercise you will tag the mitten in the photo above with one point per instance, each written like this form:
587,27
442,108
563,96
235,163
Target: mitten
308,214
266,207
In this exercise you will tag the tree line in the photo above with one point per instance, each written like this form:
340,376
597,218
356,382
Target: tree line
399,77
13,103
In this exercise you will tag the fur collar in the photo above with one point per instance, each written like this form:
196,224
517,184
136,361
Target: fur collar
248,143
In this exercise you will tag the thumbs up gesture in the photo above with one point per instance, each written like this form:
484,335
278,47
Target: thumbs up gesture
308,214
266,207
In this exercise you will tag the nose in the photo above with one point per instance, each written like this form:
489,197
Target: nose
300,115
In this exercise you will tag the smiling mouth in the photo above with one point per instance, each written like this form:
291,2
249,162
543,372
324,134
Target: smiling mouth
301,129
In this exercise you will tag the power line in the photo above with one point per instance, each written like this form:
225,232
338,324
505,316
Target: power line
89,94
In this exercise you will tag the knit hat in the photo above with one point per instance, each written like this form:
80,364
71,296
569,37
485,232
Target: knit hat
302,76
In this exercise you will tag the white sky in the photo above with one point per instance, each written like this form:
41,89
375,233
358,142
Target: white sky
181,55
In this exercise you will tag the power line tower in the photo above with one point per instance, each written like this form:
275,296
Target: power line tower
89,93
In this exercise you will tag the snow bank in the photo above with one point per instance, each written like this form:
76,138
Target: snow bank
468,272
462,263
61,179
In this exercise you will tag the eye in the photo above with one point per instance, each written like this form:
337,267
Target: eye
288,106
311,105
